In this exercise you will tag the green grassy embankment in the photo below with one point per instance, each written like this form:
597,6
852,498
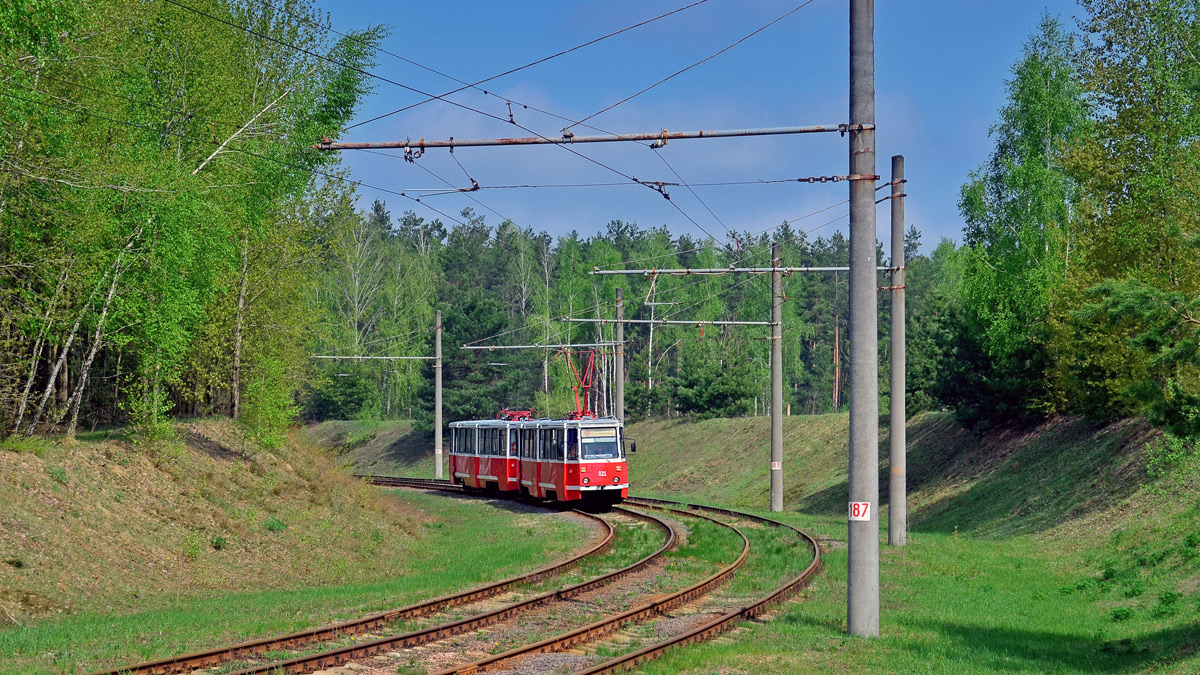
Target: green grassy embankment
388,448
1045,550
110,555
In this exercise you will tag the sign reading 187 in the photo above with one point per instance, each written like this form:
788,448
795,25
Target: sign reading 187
860,511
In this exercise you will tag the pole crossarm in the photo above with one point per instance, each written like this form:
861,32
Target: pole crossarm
730,270
572,345
677,322
376,358
657,136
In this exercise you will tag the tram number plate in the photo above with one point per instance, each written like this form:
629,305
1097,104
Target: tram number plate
603,474
860,511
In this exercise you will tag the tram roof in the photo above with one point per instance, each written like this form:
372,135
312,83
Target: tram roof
547,422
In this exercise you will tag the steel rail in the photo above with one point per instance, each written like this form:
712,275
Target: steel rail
334,657
726,621
608,625
219,655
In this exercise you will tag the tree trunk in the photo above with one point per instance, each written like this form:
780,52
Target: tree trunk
97,338
236,383
37,352
58,364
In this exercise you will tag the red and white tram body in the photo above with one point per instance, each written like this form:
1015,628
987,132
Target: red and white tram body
482,455
558,459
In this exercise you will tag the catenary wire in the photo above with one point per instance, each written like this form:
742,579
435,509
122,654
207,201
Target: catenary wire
527,65
684,70
328,59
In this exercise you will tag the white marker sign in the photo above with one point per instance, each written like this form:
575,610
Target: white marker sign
776,465
860,511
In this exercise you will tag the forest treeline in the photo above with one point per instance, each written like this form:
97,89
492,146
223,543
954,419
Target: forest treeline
170,247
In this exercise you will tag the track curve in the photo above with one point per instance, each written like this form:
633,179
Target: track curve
210,657
334,657
610,624
728,620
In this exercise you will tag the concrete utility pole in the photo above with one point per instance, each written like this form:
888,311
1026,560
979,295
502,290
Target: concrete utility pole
862,581
777,378
437,393
897,455
620,340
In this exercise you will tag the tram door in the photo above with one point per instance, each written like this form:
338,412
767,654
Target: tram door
540,456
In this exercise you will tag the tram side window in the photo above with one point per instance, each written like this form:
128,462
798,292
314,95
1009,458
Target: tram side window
572,444
495,448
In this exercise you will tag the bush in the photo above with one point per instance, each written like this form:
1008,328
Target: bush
218,543
1168,453
273,525
269,405
1121,614
58,474
147,408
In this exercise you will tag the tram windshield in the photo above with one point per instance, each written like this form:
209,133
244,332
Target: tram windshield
600,443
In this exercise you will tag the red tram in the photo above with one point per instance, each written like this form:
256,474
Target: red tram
557,459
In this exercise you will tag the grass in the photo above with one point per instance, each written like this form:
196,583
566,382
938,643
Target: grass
442,556
1044,550
387,448
633,541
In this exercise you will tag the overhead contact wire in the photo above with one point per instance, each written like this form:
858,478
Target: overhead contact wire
684,70
528,65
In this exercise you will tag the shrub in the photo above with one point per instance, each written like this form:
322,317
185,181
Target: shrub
58,474
1121,614
269,405
1168,453
147,408
218,543
191,545
273,525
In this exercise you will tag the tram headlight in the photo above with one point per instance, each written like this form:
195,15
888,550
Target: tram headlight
616,479
586,480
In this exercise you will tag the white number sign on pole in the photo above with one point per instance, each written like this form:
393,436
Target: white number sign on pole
776,465
860,511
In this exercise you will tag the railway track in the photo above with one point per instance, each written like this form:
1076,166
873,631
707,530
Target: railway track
705,631
588,633
255,648
608,625
728,620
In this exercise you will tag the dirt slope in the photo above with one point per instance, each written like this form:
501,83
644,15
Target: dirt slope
103,525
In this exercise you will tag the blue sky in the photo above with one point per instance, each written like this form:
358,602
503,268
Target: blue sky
941,66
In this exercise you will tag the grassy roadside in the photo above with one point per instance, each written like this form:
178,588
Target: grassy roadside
1039,551
109,556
